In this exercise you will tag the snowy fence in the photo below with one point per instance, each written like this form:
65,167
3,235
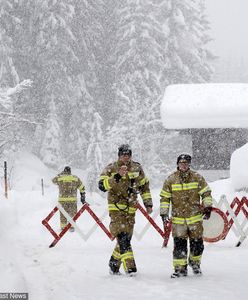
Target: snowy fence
237,216
234,217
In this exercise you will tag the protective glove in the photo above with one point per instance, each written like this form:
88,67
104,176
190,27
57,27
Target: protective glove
149,209
82,197
117,177
207,212
165,218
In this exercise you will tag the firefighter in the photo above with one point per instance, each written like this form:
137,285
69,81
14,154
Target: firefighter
123,180
68,185
190,199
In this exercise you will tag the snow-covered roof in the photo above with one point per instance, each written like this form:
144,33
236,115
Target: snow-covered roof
218,105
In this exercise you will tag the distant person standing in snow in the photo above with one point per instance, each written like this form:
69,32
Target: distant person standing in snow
123,180
190,199
68,185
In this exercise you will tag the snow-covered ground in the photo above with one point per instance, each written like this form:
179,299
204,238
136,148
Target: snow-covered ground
77,269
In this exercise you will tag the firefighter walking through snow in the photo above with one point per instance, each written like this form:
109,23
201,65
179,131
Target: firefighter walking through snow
68,185
123,180
190,199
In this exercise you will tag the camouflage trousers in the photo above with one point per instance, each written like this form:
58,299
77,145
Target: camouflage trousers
71,208
121,226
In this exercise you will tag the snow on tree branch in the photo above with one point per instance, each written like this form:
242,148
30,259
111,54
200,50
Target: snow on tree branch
5,95
27,83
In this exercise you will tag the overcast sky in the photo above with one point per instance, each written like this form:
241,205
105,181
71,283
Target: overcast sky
229,22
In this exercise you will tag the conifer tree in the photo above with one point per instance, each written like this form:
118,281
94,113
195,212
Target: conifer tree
187,39
51,146
139,63
94,152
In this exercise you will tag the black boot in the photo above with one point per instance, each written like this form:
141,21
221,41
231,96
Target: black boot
131,272
114,266
196,269
180,272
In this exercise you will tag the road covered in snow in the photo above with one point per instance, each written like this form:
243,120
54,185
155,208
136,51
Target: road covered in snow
76,269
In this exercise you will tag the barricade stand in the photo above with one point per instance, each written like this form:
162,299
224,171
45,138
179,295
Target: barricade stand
150,219
140,234
167,231
232,213
47,219
244,208
72,222
167,227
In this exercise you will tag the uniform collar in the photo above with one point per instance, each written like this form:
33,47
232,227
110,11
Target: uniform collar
184,175
120,163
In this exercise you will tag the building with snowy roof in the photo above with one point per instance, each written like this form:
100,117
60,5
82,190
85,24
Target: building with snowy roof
215,115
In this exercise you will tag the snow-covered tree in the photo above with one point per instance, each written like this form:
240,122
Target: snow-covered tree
94,152
108,56
186,49
51,146
9,120
8,73
139,60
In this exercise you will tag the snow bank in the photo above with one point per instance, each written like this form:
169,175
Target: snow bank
239,168
205,106
27,172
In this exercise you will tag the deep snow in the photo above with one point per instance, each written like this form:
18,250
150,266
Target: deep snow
77,269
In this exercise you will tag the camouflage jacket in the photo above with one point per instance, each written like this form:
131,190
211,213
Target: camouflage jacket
122,193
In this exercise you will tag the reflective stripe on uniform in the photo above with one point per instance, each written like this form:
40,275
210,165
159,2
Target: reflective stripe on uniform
179,221
165,194
122,207
143,181
67,199
124,257
179,262
132,175
164,205
188,221
184,186
67,178
116,254
195,258
81,188
106,184
204,190
146,196
105,181
208,201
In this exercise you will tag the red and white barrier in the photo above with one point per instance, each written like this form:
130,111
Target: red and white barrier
215,229
71,223
237,215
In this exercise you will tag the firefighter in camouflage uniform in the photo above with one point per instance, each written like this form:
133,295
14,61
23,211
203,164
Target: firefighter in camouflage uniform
190,199
68,185
123,180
